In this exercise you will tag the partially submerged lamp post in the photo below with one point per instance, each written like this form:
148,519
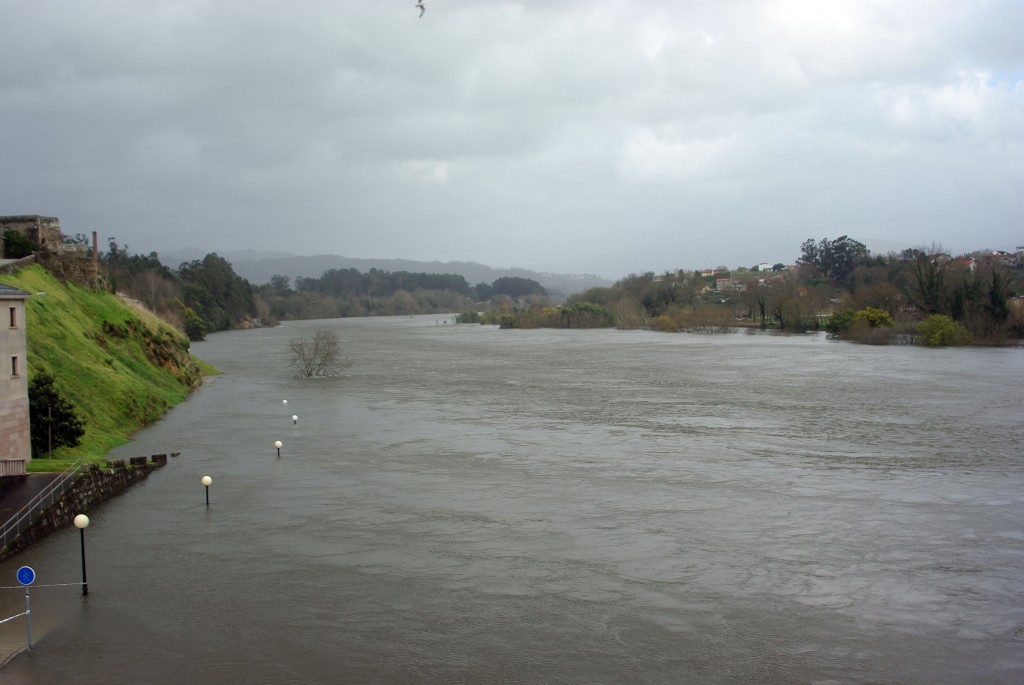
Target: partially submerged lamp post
295,418
206,482
277,444
81,523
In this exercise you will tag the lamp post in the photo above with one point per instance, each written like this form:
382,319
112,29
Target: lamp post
277,444
81,523
206,482
295,419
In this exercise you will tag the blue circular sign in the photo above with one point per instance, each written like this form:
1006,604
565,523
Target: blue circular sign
26,576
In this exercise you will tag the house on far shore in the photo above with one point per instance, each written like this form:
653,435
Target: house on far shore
15,447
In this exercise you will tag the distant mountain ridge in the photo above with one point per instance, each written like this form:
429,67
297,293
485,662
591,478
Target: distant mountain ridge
259,267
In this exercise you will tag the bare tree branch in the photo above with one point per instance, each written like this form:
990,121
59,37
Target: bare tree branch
317,356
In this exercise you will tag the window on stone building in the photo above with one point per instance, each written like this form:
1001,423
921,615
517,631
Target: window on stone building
14,317
14,366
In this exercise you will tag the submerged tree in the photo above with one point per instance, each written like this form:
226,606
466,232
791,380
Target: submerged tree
317,356
939,330
53,419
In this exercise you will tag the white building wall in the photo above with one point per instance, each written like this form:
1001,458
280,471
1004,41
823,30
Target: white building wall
14,424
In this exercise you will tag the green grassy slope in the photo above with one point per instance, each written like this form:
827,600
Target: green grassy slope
122,367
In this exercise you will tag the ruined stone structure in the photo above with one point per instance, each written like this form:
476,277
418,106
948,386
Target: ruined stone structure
41,230
66,261
15,448
72,263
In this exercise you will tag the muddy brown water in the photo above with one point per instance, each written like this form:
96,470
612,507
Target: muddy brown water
469,505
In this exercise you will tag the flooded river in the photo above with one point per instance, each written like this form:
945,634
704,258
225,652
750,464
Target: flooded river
469,505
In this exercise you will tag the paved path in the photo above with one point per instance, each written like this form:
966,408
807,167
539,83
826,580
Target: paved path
12,500
17,496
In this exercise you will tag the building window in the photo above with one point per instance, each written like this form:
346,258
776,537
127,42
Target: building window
14,366
14,317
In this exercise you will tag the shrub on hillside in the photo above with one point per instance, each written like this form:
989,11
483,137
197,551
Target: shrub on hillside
17,245
53,418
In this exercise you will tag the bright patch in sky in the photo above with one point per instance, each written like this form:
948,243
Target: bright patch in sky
604,136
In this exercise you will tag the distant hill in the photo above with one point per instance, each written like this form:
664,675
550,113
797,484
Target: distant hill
258,267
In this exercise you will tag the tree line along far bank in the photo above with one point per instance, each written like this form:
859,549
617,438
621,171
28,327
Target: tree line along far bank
836,285
917,296
206,295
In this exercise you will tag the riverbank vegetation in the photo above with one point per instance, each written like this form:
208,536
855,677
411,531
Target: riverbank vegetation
200,297
913,297
120,361
119,366
543,315
835,285
203,296
347,292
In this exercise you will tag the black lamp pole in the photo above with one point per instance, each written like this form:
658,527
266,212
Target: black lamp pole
81,523
85,584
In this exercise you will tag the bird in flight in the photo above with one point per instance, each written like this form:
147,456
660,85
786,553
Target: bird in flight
423,8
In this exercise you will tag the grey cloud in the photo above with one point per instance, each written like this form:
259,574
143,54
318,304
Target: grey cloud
582,136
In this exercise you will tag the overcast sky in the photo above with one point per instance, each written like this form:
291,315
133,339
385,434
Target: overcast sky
555,135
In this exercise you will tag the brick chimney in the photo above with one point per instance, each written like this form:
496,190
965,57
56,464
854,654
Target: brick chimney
95,247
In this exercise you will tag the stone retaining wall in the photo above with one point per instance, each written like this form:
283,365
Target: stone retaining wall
93,487
76,266
9,267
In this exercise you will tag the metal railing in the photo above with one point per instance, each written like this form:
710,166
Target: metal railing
12,467
23,519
